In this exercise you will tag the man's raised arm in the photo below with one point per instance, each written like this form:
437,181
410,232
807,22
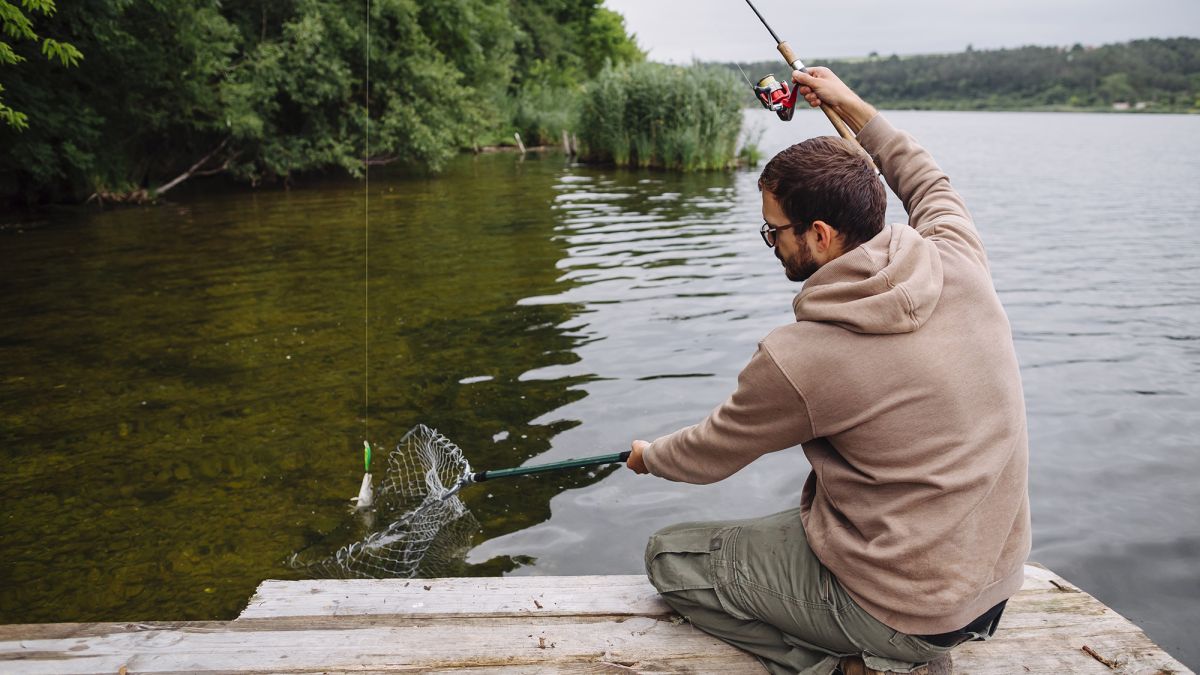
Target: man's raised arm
934,209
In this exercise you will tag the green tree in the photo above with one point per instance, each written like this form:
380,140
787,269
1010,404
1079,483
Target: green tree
1117,87
606,42
16,24
1159,70
264,90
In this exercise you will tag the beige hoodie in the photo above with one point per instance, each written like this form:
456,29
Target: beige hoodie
900,380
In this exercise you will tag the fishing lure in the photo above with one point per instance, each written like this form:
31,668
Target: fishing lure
366,496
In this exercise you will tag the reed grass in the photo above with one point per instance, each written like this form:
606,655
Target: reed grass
661,116
541,114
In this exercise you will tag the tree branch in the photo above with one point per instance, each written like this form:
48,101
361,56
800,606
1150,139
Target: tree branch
194,169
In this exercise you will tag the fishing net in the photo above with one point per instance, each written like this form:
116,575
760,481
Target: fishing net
425,526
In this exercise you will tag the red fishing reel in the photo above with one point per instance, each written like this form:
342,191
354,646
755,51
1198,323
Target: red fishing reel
777,96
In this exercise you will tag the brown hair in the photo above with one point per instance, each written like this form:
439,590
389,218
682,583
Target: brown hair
827,178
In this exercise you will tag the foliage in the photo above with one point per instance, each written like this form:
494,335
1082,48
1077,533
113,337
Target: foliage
541,114
264,90
750,154
605,42
655,115
1162,73
17,25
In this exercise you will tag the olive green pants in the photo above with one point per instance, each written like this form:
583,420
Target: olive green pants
757,585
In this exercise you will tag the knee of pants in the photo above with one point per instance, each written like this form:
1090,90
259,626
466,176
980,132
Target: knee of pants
654,546
676,557
651,548
648,557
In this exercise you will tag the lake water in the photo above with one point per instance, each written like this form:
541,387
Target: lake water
183,386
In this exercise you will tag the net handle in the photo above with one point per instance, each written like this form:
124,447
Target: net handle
620,457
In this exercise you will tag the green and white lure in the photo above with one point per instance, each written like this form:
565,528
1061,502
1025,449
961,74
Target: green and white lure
366,496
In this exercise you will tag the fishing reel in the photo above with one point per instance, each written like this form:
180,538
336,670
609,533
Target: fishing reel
778,97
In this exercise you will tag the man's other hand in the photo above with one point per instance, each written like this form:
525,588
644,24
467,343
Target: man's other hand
635,457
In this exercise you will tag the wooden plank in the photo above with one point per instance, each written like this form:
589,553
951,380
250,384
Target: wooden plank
12,633
531,625
1047,624
641,643
1056,653
1038,576
58,631
629,595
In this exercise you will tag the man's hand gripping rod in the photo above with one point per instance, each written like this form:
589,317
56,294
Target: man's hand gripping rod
794,61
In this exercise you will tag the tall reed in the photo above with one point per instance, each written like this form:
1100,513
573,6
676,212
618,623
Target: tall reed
541,114
655,115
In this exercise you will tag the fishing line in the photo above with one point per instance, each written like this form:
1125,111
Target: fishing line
419,493
365,497
367,236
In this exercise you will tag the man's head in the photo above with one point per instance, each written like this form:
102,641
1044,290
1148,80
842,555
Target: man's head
826,198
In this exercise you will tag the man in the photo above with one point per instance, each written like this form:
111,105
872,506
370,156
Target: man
900,380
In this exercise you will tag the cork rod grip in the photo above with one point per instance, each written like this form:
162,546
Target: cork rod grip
835,119
838,123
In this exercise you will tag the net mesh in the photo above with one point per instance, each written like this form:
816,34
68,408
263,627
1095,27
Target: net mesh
425,526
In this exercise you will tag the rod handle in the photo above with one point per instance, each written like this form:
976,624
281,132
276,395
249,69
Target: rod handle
794,61
835,119
616,458
838,123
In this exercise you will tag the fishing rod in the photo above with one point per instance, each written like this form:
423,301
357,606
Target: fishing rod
479,476
777,96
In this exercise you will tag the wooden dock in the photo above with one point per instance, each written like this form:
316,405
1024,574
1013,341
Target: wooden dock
597,624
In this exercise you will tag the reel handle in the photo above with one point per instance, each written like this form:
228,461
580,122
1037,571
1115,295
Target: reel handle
835,119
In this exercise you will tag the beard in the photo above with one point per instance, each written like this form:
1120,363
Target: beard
800,266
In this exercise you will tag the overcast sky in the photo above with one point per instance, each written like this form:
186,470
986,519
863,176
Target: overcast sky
726,30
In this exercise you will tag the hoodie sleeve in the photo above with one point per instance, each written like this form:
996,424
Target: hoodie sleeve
935,209
765,414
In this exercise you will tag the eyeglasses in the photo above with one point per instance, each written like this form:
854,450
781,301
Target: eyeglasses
770,233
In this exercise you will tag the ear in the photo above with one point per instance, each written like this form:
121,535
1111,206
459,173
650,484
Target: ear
826,239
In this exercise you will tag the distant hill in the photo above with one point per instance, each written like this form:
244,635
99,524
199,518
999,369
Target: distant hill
1161,75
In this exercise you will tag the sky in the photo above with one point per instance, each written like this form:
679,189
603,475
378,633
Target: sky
726,30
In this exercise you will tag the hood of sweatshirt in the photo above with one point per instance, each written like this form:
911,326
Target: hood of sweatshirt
891,284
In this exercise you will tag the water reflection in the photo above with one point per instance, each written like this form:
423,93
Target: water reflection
184,385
